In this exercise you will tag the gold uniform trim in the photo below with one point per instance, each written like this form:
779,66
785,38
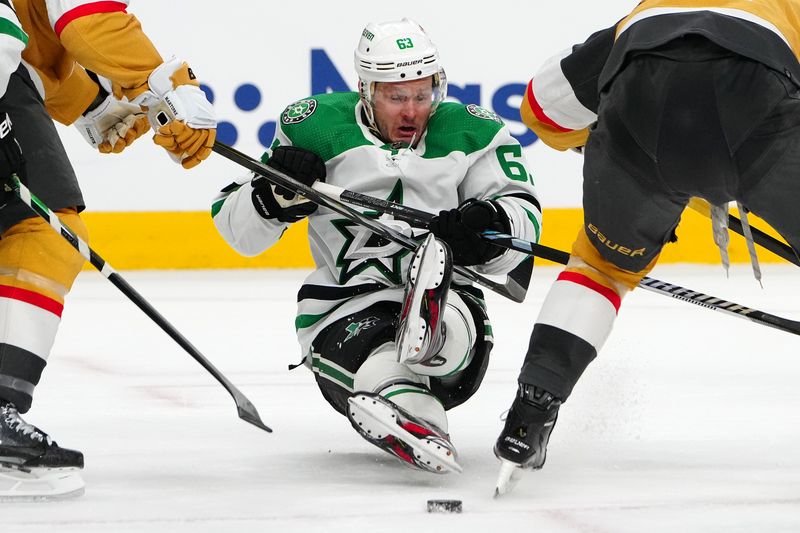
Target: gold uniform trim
189,240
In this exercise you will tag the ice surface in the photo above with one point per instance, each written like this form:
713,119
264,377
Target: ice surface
687,422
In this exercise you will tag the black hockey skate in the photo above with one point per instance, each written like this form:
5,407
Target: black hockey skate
523,442
32,465
415,442
421,333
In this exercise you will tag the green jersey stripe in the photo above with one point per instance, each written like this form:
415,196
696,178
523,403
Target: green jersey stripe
336,375
9,28
535,224
305,321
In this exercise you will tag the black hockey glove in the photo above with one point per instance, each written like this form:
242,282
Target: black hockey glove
461,227
11,160
276,202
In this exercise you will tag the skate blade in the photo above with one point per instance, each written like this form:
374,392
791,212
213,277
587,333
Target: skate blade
409,346
39,484
377,419
510,474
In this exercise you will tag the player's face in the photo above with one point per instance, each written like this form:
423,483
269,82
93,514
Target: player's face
402,109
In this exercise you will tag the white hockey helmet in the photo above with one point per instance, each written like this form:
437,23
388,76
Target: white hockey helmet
396,51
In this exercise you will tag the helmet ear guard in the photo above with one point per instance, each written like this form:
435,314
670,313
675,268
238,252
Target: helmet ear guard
396,51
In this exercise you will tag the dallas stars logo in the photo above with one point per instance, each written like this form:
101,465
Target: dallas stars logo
354,328
480,112
363,249
299,111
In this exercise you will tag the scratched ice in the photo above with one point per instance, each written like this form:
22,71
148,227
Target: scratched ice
682,424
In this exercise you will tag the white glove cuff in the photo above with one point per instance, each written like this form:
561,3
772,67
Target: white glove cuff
187,103
159,83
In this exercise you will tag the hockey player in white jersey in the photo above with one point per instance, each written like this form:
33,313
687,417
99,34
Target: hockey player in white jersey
393,338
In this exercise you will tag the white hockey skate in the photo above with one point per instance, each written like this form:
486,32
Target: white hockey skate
32,466
415,442
421,333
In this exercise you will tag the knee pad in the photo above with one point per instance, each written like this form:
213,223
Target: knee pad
395,381
459,346
35,257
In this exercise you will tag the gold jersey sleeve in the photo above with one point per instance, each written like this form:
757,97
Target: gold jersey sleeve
552,136
110,43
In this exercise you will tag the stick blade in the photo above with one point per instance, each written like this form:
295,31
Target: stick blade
247,412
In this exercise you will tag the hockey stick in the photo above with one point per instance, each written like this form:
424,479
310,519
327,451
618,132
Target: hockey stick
559,256
245,408
764,240
417,216
514,288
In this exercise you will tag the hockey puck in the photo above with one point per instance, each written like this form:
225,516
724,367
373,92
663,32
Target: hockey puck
444,506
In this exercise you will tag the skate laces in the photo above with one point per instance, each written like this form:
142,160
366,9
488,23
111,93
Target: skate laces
16,423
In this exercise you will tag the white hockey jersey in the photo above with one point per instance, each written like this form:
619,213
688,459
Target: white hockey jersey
466,152
13,40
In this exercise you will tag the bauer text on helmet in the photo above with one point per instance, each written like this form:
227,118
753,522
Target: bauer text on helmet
396,53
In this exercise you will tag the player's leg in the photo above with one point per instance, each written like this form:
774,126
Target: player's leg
628,217
356,356
401,404
37,269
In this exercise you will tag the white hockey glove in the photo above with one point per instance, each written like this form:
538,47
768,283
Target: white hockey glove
179,112
112,125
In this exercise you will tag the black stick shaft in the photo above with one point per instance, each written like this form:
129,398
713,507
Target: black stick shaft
245,407
559,256
768,242
511,290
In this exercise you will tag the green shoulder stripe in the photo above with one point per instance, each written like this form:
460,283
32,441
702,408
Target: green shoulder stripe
460,128
9,28
324,123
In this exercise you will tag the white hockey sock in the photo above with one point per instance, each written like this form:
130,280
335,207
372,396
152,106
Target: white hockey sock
383,374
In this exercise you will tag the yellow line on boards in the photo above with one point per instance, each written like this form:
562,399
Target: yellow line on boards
188,240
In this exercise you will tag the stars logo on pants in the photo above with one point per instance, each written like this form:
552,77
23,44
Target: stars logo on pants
354,328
